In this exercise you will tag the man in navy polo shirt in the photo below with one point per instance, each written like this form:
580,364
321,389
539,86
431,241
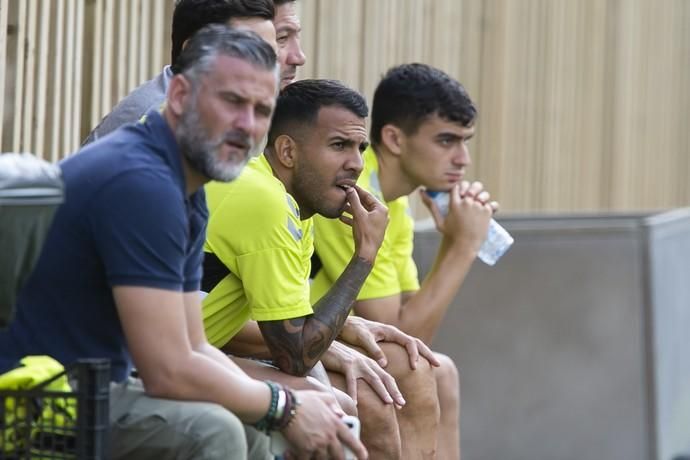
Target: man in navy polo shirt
121,266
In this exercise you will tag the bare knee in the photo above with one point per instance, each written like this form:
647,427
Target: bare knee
418,383
447,381
380,432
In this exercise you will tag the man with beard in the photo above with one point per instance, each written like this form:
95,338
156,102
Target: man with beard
274,21
421,121
119,273
257,266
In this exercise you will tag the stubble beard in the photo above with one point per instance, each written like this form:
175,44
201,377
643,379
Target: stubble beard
202,153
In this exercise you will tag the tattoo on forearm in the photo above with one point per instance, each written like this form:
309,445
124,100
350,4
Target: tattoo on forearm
297,344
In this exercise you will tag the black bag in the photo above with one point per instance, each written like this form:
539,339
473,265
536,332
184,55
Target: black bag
30,191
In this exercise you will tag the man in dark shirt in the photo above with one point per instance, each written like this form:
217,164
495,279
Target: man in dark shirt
120,270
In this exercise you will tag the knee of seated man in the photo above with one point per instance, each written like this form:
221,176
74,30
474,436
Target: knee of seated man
372,407
345,402
399,366
380,430
447,379
418,386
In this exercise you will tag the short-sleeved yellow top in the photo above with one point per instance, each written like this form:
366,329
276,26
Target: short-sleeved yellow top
255,230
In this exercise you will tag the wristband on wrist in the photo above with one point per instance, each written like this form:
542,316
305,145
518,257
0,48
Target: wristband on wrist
282,402
290,412
268,420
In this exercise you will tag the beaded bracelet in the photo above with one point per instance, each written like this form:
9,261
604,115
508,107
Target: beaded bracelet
268,420
282,410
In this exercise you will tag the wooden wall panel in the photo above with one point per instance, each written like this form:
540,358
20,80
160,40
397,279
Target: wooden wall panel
4,13
583,105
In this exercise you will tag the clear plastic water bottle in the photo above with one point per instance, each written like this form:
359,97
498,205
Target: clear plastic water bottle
497,241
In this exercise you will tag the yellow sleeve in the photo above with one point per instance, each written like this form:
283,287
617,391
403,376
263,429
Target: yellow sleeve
254,231
275,283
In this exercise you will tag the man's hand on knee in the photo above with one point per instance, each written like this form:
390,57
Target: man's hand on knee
354,365
365,334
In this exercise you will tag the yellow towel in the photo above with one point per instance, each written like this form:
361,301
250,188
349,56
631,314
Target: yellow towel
45,418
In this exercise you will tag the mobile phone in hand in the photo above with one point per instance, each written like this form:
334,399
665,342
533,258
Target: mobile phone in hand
279,444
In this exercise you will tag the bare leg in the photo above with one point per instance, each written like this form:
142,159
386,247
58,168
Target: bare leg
448,387
379,427
419,419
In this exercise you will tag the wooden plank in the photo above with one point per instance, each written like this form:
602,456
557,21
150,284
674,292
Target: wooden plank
145,37
682,146
591,127
97,67
58,64
42,81
660,102
4,7
491,143
158,60
68,125
122,52
135,39
107,51
19,77
79,71
30,77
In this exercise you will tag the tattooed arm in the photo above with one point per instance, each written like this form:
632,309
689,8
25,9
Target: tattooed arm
297,344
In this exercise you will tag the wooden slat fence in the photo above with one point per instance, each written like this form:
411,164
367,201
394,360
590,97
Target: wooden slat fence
584,105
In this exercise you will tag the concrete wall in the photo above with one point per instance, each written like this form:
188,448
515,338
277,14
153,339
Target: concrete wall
576,345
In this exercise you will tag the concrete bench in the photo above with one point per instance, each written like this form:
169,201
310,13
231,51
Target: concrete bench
576,345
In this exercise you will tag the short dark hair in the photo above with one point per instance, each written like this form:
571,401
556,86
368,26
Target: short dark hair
191,15
278,3
299,103
217,39
410,93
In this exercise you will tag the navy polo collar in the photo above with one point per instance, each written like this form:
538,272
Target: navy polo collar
165,144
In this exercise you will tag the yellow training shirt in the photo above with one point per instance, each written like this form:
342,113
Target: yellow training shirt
394,269
255,230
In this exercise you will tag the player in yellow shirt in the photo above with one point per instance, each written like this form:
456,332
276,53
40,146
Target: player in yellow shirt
257,266
421,122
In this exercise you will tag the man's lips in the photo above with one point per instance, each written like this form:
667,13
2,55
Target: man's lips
345,183
237,141
238,145
456,175
289,76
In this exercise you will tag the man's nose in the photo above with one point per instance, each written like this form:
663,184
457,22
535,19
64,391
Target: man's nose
354,162
296,55
245,120
462,156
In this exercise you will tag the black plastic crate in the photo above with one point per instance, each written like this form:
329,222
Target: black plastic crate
42,433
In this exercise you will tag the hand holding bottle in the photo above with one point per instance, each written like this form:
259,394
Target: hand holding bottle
497,241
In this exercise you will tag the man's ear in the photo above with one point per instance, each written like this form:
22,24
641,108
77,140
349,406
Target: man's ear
285,150
178,91
393,139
